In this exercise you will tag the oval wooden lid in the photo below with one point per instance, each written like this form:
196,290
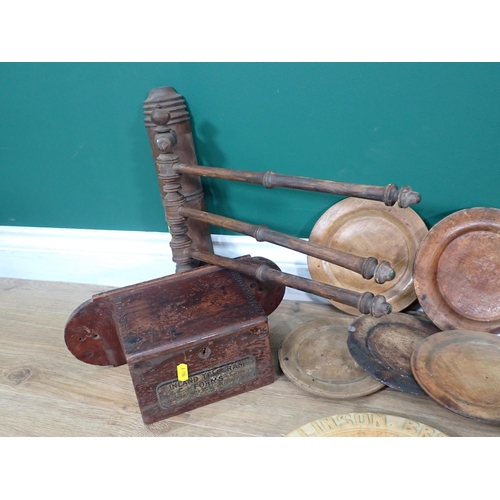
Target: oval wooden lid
460,370
90,333
457,271
315,357
369,229
365,425
383,347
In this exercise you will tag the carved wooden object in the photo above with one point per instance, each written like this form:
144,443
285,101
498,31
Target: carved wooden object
315,357
181,217
91,332
365,425
460,369
365,227
168,100
169,181
202,335
188,339
389,195
165,109
367,267
383,347
457,271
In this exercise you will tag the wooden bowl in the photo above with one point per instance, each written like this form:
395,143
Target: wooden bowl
460,370
457,271
369,229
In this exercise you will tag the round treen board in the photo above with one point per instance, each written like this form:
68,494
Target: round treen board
460,369
457,271
383,347
369,229
365,425
315,357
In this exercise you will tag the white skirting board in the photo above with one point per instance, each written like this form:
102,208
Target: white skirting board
120,258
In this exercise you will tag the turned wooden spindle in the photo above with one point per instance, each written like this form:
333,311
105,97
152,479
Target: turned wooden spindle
164,141
389,195
368,267
168,99
366,303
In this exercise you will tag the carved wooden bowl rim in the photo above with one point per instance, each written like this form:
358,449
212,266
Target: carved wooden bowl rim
478,225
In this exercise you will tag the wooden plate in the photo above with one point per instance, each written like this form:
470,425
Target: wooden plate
383,347
315,357
369,229
365,425
460,370
457,271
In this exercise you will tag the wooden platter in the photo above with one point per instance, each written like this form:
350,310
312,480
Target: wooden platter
369,229
460,370
365,425
383,347
315,357
457,271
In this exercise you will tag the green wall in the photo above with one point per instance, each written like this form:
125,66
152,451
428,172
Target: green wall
74,152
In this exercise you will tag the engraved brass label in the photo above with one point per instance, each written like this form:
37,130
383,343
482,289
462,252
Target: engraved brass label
207,383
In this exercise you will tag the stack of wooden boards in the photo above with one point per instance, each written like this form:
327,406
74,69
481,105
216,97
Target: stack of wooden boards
448,348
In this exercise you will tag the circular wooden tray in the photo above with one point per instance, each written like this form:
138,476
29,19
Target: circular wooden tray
383,347
315,357
460,370
365,425
369,229
457,271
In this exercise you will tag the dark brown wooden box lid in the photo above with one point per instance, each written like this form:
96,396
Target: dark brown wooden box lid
184,310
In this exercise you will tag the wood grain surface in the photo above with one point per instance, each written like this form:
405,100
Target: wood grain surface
315,356
46,391
365,425
460,370
457,271
368,228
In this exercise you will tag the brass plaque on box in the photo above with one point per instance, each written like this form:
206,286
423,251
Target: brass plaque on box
207,382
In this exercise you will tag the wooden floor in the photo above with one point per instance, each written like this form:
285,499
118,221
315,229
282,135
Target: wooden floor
45,391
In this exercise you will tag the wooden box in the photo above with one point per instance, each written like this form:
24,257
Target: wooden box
191,340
